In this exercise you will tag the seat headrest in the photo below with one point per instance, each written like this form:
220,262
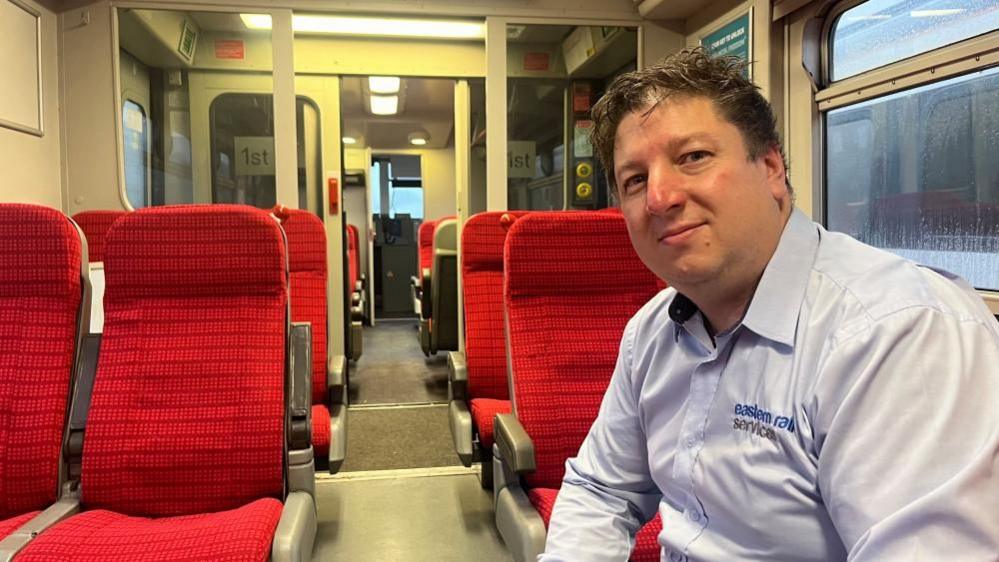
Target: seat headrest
482,239
40,253
306,236
195,250
571,252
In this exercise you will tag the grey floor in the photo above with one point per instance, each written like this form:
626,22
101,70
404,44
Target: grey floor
393,370
414,519
401,493
399,437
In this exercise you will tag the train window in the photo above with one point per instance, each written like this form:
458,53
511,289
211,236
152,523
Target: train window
915,172
398,177
879,32
242,139
135,149
242,135
535,134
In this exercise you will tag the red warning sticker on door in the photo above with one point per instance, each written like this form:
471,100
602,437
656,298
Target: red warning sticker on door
229,49
537,61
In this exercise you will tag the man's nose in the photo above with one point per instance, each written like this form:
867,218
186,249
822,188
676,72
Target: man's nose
664,192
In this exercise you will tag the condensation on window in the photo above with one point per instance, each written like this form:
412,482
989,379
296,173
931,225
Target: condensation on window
917,173
135,132
880,32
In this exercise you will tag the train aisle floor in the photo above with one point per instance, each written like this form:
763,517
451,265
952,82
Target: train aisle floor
395,437
393,370
438,515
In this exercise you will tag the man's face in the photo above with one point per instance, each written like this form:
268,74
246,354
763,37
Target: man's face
700,214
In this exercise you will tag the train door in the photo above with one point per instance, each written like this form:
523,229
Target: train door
554,75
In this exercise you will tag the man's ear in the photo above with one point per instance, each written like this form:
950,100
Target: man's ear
776,173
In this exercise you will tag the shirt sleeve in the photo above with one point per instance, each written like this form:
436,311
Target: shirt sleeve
607,493
907,428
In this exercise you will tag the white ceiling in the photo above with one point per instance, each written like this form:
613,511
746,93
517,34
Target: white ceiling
426,103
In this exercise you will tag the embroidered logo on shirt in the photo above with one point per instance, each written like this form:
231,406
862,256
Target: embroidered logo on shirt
761,422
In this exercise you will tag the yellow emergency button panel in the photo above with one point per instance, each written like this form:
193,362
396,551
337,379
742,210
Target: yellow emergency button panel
584,190
583,170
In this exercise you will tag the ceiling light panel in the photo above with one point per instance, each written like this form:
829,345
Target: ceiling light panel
378,27
384,84
384,105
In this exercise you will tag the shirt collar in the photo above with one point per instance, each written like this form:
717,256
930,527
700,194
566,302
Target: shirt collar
775,306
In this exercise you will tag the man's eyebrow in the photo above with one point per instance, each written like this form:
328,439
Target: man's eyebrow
671,145
678,142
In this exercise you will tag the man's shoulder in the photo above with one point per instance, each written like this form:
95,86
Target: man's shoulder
869,285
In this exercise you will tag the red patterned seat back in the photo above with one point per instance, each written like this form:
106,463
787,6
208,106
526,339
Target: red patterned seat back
572,282
353,257
425,241
307,263
40,295
482,241
95,226
187,412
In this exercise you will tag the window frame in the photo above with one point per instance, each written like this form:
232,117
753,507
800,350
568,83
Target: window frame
146,152
965,57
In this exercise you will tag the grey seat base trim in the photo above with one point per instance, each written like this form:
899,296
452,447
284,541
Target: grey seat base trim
296,530
460,420
425,337
519,524
67,506
356,340
302,471
338,437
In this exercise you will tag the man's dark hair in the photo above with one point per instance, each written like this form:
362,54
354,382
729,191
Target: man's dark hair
687,73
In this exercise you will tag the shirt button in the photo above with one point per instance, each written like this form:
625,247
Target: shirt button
675,556
694,516
691,440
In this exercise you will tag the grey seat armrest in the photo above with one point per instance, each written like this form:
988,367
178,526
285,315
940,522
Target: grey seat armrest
338,437
336,378
67,506
457,376
460,421
296,530
300,387
515,446
426,290
336,381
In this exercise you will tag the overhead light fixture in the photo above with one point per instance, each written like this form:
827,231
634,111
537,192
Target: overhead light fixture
256,21
380,27
384,105
384,84
348,140
418,138
936,13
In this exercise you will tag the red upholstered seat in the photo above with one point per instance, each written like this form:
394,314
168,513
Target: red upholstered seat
321,430
95,226
307,262
243,533
7,526
482,241
353,257
646,544
572,282
483,412
425,243
187,411
41,289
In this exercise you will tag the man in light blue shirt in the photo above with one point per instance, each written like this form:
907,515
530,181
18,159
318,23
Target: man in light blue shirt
795,394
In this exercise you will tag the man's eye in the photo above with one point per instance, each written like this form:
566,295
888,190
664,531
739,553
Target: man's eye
695,156
634,182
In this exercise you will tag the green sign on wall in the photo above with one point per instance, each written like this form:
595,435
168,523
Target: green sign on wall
731,39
